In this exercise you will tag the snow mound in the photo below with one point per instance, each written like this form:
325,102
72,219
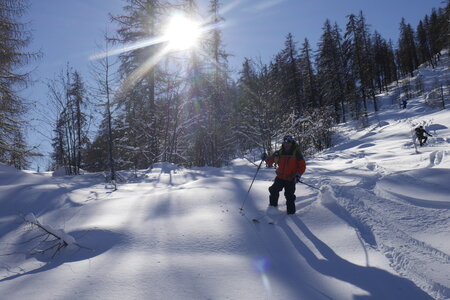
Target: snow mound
165,167
327,195
426,187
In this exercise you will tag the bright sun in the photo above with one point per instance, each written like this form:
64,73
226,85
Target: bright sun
182,33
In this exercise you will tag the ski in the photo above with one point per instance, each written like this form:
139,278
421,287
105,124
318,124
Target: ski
271,216
269,221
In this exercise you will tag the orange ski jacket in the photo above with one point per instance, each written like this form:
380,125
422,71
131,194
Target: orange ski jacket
289,164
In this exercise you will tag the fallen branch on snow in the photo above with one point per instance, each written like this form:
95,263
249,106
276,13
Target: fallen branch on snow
51,239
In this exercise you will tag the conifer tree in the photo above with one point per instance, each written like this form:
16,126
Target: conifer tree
446,26
331,70
138,71
380,60
211,135
309,78
407,52
14,37
384,62
218,89
287,63
259,114
357,49
423,43
435,33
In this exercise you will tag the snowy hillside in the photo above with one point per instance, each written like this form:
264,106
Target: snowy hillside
378,228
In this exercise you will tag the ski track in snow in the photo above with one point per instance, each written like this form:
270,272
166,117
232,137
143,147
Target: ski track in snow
393,210
386,225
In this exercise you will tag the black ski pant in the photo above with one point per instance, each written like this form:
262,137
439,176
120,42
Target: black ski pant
422,139
289,193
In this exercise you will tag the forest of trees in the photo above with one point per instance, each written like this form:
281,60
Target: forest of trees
189,109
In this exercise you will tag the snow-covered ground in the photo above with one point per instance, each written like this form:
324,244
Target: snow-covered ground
378,228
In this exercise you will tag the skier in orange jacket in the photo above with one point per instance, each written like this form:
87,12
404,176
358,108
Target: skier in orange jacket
291,166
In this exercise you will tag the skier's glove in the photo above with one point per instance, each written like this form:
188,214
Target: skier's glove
298,177
264,156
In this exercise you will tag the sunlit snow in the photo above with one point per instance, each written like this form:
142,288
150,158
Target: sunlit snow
378,227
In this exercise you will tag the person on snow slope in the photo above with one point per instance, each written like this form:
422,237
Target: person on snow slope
420,133
290,167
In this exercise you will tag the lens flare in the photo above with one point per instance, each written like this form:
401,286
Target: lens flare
262,264
182,33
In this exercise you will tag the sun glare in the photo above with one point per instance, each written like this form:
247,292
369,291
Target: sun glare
182,33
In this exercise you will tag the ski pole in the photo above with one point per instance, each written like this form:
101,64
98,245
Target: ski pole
309,185
248,192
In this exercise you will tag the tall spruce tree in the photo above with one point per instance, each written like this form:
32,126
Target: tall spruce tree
309,78
407,52
446,26
331,70
211,135
384,62
138,69
360,58
423,43
435,32
287,67
218,90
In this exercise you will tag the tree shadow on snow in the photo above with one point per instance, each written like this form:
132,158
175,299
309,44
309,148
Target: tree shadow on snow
379,283
93,243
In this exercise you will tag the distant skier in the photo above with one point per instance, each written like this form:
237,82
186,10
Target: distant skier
404,102
291,166
420,133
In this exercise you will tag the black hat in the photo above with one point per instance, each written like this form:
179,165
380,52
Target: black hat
289,139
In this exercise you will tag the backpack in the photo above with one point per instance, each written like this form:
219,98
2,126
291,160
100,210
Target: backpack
419,131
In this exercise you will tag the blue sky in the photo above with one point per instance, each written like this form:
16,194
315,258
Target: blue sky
262,32
68,31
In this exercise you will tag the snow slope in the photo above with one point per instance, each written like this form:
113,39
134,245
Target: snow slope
377,229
